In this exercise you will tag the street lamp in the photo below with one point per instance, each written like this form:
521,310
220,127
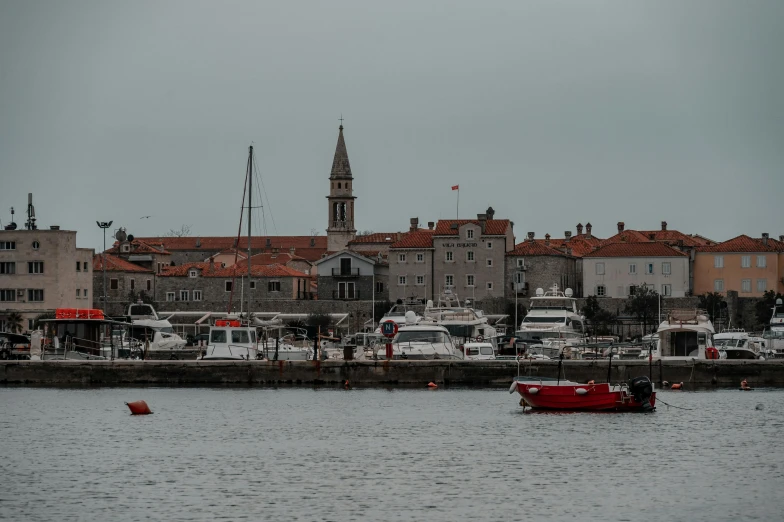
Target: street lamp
104,225
516,290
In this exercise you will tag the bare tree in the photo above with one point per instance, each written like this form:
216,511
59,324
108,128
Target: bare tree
364,233
184,231
314,232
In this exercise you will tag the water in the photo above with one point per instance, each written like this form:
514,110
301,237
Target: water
445,455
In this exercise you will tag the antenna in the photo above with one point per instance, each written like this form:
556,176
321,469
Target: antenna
30,225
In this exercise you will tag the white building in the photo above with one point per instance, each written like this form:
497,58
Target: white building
617,269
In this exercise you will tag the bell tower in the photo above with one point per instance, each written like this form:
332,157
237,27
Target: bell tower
340,227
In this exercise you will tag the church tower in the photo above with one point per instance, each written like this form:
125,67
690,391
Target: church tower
340,228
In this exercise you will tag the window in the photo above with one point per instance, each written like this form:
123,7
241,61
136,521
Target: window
379,286
469,280
666,268
193,273
745,261
30,324
184,295
599,268
762,285
420,280
762,261
745,284
718,285
227,286
470,256
253,285
718,261
170,296
35,296
521,263
420,258
197,295
240,336
85,267
36,245
649,268
449,280
217,336
469,234
133,284
449,257
401,280
7,245
519,278
601,291
78,293
489,286
346,291
666,290
632,289
149,285
489,244
401,258
273,286
84,293
489,262
632,268
114,284
7,295
35,267
8,268
78,266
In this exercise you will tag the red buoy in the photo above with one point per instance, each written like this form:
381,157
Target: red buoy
431,384
138,408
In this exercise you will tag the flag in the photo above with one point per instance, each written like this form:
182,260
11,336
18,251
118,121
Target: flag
455,187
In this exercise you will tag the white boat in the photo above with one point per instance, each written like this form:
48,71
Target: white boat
399,310
463,322
479,351
737,344
290,346
231,340
774,335
553,322
684,335
147,326
421,342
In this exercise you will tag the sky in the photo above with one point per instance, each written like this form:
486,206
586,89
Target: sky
553,113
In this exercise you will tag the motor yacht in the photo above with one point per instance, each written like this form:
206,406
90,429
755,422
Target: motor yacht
399,310
283,344
774,335
231,340
684,334
463,322
737,344
148,328
553,322
422,342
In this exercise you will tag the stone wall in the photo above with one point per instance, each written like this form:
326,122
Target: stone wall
363,287
542,272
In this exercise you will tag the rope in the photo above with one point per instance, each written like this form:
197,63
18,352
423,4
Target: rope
672,405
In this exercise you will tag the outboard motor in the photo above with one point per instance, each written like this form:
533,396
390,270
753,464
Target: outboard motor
642,390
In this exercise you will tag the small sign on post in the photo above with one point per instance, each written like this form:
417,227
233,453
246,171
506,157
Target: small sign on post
389,330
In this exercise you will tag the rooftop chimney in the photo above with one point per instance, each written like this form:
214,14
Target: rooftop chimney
621,225
54,227
234,243
664,225
490,212
765,237
531,237
198,242
547,239
414,224
567,234
291,251
482,221
212,264
579,229
781,238
313,241
269,242
431,225
588,229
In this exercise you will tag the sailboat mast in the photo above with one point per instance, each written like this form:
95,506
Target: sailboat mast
250,207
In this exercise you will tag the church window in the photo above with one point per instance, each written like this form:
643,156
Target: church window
338,185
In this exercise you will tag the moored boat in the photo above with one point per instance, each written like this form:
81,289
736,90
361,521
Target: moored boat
637,395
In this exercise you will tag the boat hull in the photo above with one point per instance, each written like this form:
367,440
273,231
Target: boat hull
579,397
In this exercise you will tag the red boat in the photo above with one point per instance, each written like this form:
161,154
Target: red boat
546,394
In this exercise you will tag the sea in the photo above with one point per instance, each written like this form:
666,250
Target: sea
324,454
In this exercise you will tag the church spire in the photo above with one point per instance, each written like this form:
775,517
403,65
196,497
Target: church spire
340,227
340,165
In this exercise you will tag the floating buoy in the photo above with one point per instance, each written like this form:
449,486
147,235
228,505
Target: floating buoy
431,384
138,408
677,386
665,383
346,385
591,382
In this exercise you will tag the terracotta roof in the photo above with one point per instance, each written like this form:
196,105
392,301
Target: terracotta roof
139,246
493,227
579,244
302,244
702,240
671,237
270,259
641,249
216,271
534,248
742,243
116,264
378,237
627,236
775,243
418,239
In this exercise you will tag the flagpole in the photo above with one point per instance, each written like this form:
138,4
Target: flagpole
458,202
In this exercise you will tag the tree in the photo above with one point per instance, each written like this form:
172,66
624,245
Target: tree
600,320
643,305
37,321
364,233
184,231
712,303
509,310
141,295
315,322
764,307
14,322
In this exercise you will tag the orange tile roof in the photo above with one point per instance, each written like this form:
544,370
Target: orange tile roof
493,227
378,237
534,248
271,259
671,237
216,271
218,243
775,243
116,264
579,244
627,236
640,249
139,246
742,243
419,239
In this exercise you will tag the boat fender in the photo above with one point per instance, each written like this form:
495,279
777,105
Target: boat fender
533,391
581,391
432,385
480,338
676,386
138,408
591,382
513,387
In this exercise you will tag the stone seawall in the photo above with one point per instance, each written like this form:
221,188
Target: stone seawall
376,373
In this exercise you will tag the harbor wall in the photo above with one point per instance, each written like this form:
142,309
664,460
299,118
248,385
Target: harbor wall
719,373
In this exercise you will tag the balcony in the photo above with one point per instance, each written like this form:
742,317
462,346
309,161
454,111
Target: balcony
345,272
345,295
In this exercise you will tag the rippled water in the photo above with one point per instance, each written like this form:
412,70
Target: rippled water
445,455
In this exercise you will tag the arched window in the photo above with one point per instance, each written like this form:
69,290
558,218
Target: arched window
338,185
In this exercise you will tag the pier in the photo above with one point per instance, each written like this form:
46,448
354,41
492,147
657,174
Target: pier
699,373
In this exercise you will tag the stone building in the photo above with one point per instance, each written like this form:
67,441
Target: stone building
411,266
533,265
42,270
149,255
349,275
122,279
289,259
340,224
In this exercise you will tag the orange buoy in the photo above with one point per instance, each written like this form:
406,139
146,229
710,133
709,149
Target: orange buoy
346,385
431,384
744,385
677,386
138,408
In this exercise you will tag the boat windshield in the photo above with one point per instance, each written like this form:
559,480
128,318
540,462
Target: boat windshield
730,343
240,336
552,304
538,336
421,336
218,336
774,334
545,319
460,330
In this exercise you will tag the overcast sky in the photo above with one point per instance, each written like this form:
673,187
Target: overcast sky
553,112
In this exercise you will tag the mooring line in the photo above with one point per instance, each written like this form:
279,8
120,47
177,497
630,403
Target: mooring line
658,400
